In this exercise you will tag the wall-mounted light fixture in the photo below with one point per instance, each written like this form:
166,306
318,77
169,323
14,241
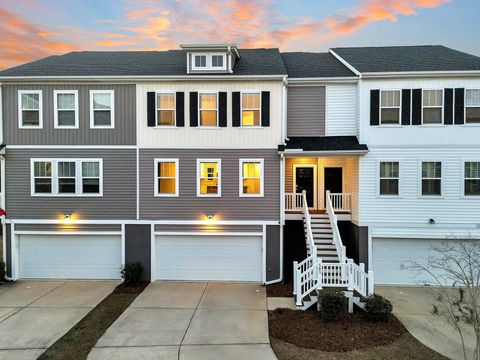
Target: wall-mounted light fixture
67,215
431,221
210,217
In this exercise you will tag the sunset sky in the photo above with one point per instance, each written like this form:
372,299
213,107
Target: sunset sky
31,29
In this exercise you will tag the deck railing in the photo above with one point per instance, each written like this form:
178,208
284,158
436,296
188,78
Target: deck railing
293,201
340,201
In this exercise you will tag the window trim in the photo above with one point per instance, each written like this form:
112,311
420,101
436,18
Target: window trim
465,108
379,161
169,92
55,109
199,110
420,178
442,110
260,109
462,194
208,62
241,178
380,107
40,109
112,109
219,192
156,177
78,177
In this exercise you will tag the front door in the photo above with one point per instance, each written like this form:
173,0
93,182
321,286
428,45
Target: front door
304,180
333,181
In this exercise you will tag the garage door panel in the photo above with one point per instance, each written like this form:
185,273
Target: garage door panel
237,258
70,257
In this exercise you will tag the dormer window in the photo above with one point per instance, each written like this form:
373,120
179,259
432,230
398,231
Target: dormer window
209,62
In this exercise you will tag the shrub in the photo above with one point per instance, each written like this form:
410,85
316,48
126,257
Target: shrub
333,305
132,273
3,271
377,308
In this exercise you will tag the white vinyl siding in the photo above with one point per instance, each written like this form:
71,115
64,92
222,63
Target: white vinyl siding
209,257
30,109
341,110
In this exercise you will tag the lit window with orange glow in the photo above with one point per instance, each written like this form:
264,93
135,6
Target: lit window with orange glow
209,178
208,109
165,109
250,109
251,178
166,173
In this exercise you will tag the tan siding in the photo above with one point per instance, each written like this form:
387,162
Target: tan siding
227,207
306,111
123,134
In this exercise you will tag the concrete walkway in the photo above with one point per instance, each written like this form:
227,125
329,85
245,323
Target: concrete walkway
191,320
35,314
413,307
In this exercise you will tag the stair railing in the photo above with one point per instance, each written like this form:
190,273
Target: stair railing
337,239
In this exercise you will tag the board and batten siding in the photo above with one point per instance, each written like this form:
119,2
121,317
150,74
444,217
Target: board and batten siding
124,132
409,209
228,137
230,206
342,110
119,186
306,111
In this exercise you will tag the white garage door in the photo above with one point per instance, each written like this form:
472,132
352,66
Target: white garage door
70,257
235,258
389,254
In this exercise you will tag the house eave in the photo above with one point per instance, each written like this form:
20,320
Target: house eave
326,153
423,74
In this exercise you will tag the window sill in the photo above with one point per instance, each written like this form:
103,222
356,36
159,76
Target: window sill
166,127
31,127
208,128
251,127
66,127
167,195
102,127
209,196
66,195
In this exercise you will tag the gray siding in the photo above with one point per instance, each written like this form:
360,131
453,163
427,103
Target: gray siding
125,115
119,186
227,207
306,111
138,247
273,252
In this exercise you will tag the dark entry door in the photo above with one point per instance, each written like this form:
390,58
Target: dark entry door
304,180
333,181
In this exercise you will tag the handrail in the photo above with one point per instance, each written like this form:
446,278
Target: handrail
308,222
341,201
337,239
293,201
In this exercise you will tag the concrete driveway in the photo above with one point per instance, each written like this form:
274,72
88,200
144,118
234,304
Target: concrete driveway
413,307
191,320
35,314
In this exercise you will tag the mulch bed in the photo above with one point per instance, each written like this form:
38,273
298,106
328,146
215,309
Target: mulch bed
280,290
79,341
307,330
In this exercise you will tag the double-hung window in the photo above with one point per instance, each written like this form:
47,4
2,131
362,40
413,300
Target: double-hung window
208,109
66,109
390,107
209,177
217,61
199,61
251,177
102,109
472,106
209,62
250,109
389,178
432,106
30,109
472,178
66,177
431,178
166,109
166,177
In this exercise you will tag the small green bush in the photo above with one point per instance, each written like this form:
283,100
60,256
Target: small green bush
3,271
333,305
132,273
377,308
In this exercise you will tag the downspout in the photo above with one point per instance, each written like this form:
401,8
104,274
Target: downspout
284,113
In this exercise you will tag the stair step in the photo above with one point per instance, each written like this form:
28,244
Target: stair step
322,231
322,252
322,236
321,224
323,241
325,247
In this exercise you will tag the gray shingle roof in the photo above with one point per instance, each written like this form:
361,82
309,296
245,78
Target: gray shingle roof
313,65
324,143
408,58
142,63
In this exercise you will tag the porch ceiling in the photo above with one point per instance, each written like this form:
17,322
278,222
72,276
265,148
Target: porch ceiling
330,145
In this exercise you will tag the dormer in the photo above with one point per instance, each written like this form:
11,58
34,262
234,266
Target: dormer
211,59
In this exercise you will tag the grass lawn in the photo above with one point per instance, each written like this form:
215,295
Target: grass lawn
77,343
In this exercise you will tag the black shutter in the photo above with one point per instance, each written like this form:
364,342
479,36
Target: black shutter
222,109
180,108
416,106
235,109
374,107
265,108
406,109
193,109
459,106
151,109
448,107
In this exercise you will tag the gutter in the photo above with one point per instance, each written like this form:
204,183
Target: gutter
412,74
323,80
300,152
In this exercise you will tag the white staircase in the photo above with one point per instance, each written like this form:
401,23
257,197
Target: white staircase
322,238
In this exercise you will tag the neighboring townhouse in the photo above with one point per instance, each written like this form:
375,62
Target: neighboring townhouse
167,158
218,163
